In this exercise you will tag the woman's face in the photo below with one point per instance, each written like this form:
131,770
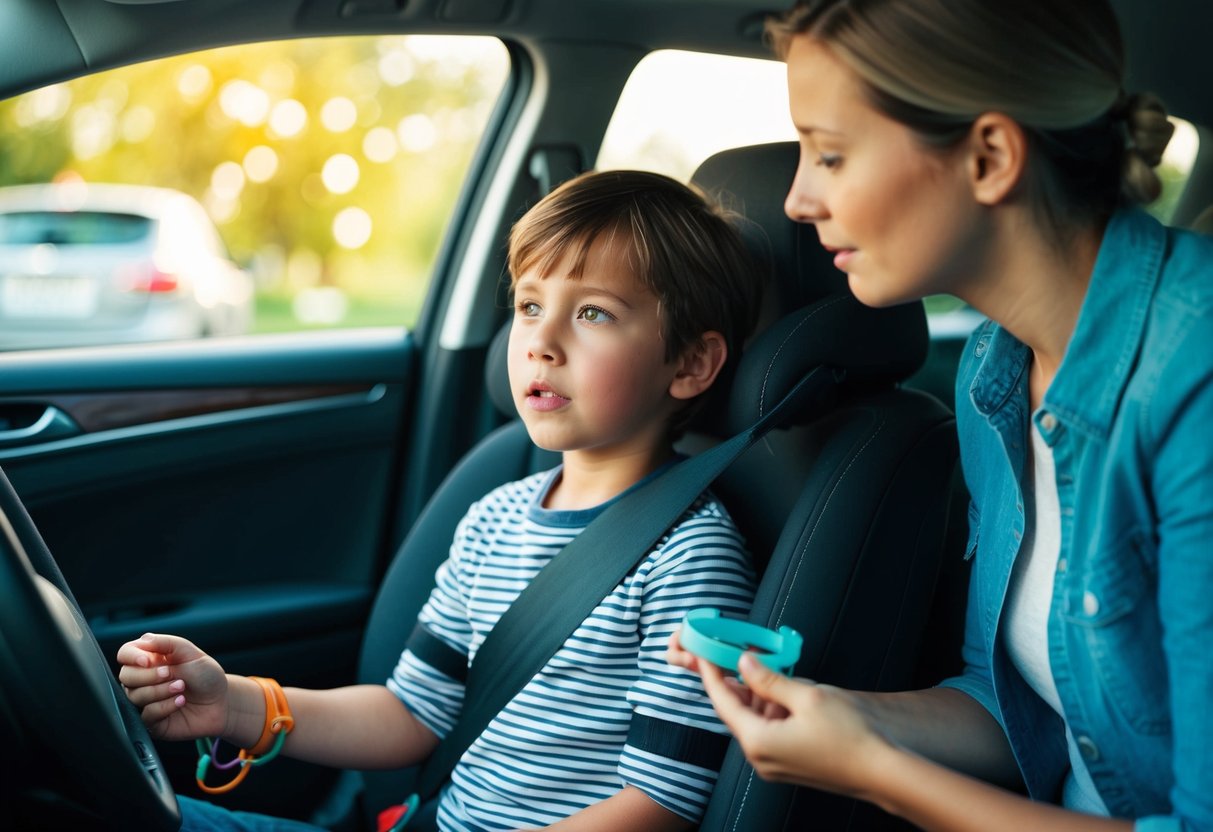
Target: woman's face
899,217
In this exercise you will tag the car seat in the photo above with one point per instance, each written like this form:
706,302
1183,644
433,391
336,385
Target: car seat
845,512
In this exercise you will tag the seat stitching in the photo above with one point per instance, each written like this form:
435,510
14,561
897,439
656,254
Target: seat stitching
796,573
833,491
762,394
745,795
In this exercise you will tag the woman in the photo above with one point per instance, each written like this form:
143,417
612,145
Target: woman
988,150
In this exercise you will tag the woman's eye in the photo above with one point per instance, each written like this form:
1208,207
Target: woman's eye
829,161
594,315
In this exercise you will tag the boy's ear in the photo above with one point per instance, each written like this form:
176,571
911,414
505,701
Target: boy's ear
998,150
699,365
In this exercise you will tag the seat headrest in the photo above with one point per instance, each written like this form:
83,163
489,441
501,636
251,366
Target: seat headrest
1204,221
497,373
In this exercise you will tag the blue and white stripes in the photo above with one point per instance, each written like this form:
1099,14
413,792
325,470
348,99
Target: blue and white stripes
607,711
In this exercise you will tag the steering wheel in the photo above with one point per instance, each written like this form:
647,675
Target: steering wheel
88,759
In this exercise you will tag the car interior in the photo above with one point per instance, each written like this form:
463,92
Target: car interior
283,500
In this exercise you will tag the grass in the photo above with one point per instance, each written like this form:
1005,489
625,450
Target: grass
275,313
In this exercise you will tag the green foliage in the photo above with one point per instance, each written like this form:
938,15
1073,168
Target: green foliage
190,123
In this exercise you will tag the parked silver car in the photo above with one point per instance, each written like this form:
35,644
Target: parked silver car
84,264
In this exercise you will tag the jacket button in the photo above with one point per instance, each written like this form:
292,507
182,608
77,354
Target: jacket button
1048,422
1088,749
1062,565
1090,604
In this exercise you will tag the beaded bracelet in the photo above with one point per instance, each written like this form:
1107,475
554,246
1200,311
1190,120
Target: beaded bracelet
278,723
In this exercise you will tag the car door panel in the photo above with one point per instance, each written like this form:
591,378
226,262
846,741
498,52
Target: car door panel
236,496
238,493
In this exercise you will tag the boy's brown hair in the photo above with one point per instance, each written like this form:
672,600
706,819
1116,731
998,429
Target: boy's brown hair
682,247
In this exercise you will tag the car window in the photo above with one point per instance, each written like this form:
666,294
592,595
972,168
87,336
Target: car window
295,185
1175,168
678,108
74,228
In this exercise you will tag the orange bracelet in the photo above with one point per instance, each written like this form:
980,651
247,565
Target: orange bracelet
278,723
278,716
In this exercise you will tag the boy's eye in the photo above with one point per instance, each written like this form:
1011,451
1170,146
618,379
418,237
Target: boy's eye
595,315
528,308
829,161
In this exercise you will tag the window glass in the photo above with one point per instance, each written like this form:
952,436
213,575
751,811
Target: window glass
1176,166
678,108
309,181
71,228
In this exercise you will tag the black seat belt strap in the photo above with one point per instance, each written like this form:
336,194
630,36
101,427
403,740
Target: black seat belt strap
535,627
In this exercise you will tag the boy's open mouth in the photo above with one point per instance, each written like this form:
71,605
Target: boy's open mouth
541,396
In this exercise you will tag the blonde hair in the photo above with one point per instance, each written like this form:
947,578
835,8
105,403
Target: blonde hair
1055,66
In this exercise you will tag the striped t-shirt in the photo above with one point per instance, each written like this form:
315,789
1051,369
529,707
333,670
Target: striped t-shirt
607,710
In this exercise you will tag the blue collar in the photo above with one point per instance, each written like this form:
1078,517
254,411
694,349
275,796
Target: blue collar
1111,325
1097,365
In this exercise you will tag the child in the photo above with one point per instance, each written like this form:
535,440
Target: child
630,292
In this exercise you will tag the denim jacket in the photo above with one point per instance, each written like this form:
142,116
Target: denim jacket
1129,417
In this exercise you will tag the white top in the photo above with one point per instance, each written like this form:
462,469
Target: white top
1027,616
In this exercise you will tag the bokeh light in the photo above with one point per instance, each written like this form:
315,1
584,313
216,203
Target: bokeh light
417,133
244,102
227,180
260,163
338,114
379,145
352,227
340,173
288,118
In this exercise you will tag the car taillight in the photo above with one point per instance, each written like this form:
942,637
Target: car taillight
159,281
147,278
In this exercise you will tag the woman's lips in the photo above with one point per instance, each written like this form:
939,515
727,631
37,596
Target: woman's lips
842,256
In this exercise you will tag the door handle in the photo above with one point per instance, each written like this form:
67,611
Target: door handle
52,423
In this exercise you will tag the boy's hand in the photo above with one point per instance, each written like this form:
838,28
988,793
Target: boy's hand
182,692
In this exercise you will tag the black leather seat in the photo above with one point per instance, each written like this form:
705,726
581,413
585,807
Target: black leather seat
845,512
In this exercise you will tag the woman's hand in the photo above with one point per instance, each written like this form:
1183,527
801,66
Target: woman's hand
181,691
791,730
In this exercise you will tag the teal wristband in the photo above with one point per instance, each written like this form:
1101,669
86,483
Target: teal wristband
722,641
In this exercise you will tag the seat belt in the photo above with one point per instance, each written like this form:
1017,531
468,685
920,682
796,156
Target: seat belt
584,572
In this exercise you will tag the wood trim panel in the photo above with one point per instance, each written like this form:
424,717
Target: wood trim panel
106,411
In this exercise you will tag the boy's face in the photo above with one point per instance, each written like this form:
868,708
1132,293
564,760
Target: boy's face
587,360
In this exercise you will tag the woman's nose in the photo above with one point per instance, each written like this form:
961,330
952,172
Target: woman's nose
804,201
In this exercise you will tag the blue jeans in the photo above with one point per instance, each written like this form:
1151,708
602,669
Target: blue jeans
201,816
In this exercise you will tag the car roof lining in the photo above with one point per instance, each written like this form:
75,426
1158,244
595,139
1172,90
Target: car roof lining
42,42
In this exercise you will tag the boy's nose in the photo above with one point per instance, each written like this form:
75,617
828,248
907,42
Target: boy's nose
545,343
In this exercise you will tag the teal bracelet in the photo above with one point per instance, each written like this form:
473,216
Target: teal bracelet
722,641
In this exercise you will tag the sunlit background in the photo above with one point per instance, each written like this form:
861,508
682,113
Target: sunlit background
329,166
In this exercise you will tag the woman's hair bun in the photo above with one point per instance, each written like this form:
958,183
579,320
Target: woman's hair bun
1148,132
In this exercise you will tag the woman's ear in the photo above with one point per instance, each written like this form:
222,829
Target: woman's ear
699,365
998,151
